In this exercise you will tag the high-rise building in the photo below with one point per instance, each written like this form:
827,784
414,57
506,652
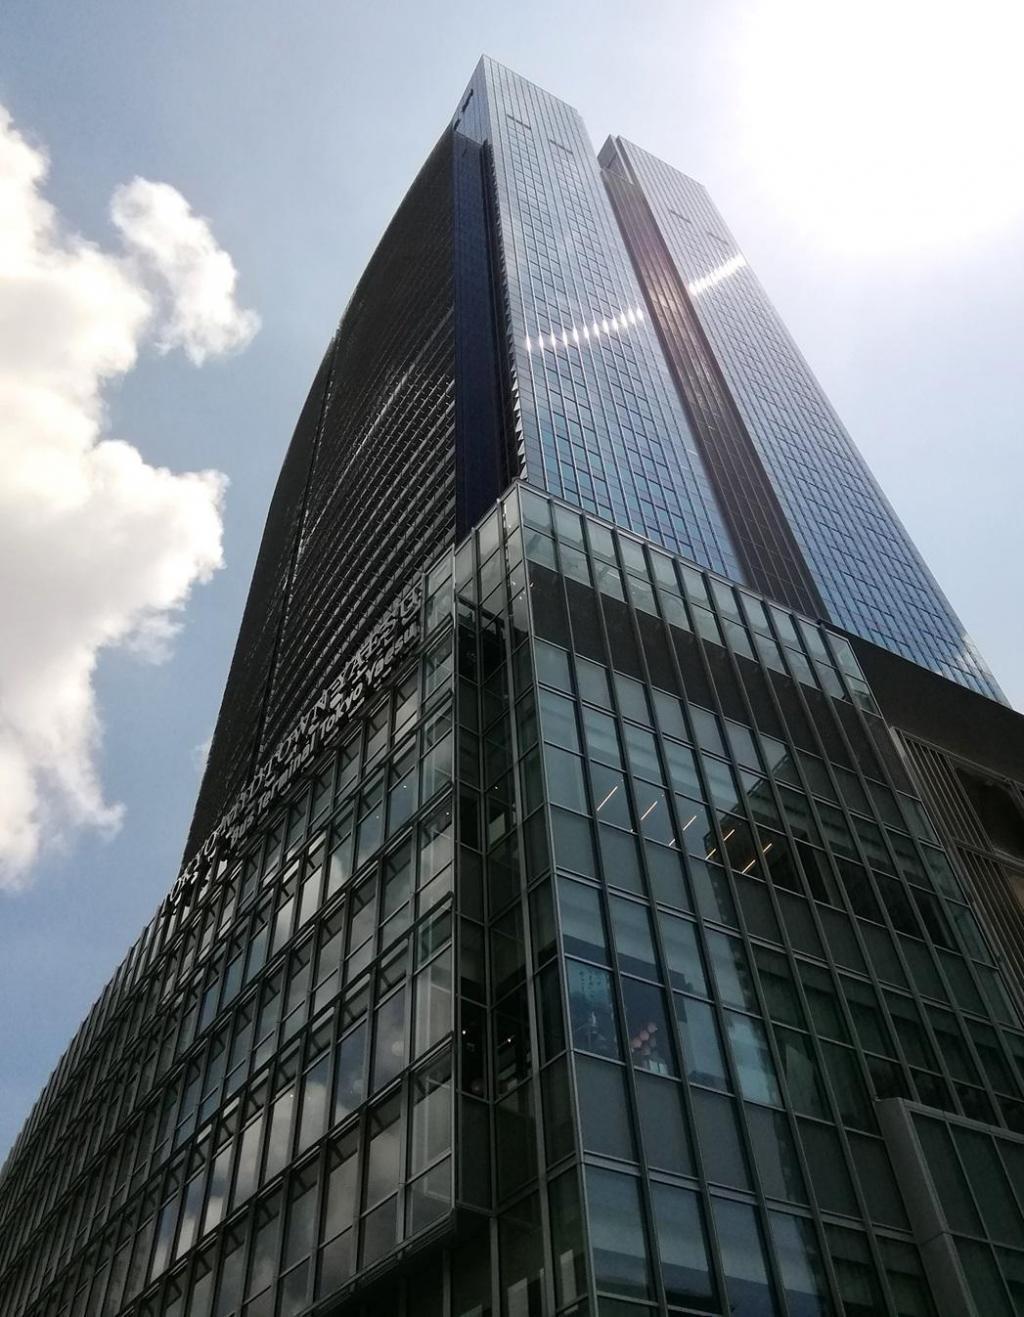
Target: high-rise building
604,893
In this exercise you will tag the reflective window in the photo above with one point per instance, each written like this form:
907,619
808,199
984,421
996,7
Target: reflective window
752,1057
803,1279
591,1009
682,1246
582,921
631,925
617,1236
721,1144
663,1124
742,1248
702,1046
650,1044
775,1154
604,1111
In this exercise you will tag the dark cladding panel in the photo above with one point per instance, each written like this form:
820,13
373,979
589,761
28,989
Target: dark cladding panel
381,498
367,493
234,747
483,464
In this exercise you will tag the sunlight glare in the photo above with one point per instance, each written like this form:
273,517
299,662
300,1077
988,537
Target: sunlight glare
887,124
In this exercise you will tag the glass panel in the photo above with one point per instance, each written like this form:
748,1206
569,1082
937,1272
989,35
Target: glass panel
991,1188
746,1276
610,802
719,1136
349,1080
632,699
604,1111
682,1246
565,778
552,665
848,1087
903,1267
983,1279
682,952
384,1158
582,921
752,1057
827,1164
431,1115
301,1230
663,1124
800,1066
702,1046
732,972
591,1009
775,1154
380,1231
433,1003
803,1279
779,989
631,925
558,720
642,754
655,818
602,737
682,769
878,1182
619,859
617,1234
650,1046
856,1277
390,1045
567,1238
574,846
430,1197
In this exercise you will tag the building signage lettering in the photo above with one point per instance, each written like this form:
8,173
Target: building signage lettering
368,668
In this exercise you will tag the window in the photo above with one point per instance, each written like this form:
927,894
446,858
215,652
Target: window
582,922
604,1111
650,1045
682,1247
617,1235
802,1277
591,1009
746,1275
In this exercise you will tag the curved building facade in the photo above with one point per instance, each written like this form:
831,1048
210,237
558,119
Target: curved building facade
585,911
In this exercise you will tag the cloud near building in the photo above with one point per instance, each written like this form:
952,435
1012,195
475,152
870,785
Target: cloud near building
98,548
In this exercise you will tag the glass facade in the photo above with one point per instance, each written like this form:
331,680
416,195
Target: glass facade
868,573
607,962
597,417
567,926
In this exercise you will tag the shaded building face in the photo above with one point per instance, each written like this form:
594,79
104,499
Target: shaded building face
574,919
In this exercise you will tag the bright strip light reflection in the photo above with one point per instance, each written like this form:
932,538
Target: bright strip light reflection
618,323
764,851
716,276
606,799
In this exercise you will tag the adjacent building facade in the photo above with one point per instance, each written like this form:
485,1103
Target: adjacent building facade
602,896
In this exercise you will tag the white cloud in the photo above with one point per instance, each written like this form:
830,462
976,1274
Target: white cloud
98,549
200,754
197,277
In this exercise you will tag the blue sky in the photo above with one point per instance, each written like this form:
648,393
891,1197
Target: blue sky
295,129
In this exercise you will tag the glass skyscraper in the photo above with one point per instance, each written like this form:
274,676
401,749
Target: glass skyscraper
603,896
